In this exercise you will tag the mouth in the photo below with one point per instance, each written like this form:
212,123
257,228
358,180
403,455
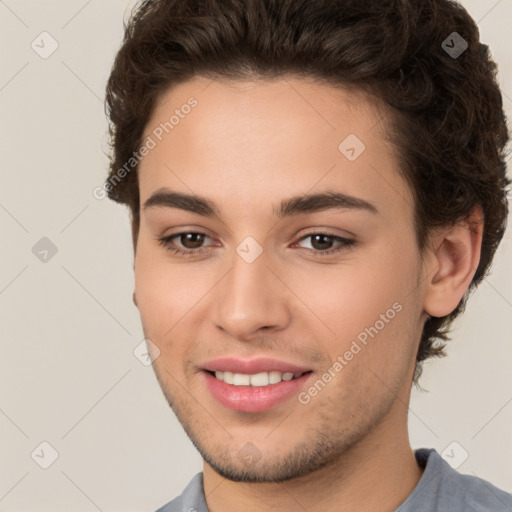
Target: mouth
261,379
253,386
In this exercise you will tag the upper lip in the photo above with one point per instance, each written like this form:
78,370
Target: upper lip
252,366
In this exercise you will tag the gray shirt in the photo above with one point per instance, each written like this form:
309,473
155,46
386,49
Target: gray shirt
440,488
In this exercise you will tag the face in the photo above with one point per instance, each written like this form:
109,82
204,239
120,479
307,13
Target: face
277,273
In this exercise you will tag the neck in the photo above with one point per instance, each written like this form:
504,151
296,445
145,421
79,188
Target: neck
377,474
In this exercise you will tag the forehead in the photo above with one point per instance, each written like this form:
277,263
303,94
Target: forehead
255,141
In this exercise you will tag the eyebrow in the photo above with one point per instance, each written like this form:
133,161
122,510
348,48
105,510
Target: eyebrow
308,203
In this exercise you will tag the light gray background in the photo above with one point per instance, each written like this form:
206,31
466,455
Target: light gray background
68,326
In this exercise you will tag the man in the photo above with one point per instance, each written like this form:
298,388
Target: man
314,186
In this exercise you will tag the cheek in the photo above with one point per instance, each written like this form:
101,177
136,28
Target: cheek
171,296
349,297
365,309
165,292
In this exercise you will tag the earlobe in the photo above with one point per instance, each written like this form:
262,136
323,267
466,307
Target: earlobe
453,259
135,300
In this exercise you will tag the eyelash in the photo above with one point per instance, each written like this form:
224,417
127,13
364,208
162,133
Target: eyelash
344,243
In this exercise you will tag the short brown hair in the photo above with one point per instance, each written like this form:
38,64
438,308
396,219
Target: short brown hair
448,119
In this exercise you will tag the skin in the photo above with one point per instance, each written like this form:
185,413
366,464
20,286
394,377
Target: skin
246,147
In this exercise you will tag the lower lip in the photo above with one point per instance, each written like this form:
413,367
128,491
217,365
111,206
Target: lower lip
254,398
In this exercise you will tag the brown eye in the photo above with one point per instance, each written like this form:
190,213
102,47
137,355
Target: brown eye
324,244
187,243
321,242
191,240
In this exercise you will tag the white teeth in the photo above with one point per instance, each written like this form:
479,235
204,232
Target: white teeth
257,379
274,377
240,379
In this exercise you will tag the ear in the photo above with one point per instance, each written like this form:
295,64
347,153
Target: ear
135,300
451,262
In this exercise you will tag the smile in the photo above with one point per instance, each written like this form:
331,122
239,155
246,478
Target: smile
255,379
253,387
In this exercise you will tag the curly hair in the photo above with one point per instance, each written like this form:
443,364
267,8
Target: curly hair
446,110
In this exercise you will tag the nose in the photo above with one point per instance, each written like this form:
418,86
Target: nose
251,299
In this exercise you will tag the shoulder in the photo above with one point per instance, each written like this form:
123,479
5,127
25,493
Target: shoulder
475,494
443,488
190,500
